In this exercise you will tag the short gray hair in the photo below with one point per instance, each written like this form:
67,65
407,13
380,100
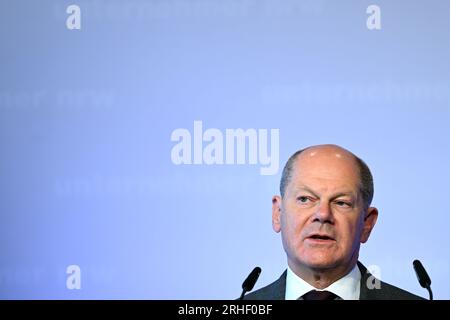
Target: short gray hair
365,176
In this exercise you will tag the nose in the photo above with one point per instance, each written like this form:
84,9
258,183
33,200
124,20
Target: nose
323,214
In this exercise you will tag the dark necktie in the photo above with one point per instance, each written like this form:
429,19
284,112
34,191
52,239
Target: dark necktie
319,295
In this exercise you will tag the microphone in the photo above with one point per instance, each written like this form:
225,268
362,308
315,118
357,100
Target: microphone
249,283
423,277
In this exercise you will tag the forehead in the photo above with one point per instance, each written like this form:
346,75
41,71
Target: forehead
330,170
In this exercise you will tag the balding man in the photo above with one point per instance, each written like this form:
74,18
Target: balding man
324,215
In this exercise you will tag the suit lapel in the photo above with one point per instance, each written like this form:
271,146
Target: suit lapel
279,287
366,293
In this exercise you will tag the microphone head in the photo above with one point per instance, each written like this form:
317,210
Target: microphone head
421,274
249,283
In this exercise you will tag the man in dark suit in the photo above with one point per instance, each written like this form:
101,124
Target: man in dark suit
324,215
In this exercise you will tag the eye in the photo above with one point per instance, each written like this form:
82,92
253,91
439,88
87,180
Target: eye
343,204
303,199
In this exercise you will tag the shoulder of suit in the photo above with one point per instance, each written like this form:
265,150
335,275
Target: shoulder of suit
386,291
273,291
373,288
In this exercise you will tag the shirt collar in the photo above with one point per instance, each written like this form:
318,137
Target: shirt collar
347,287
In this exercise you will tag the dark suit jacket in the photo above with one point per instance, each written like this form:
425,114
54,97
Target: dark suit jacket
276,290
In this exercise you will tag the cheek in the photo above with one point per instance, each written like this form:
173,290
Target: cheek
351,232
292,225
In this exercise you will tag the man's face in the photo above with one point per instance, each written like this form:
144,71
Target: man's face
321,217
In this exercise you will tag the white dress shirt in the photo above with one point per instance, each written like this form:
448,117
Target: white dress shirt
346,288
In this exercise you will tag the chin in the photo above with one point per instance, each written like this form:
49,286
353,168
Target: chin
320,265
321,262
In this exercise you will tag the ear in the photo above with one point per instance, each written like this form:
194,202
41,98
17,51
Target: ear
276,213
369,222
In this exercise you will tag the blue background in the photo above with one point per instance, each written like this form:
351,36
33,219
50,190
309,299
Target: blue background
86,117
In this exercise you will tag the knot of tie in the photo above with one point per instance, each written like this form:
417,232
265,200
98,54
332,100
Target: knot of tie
319,295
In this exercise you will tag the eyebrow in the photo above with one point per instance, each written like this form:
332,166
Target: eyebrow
334,196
